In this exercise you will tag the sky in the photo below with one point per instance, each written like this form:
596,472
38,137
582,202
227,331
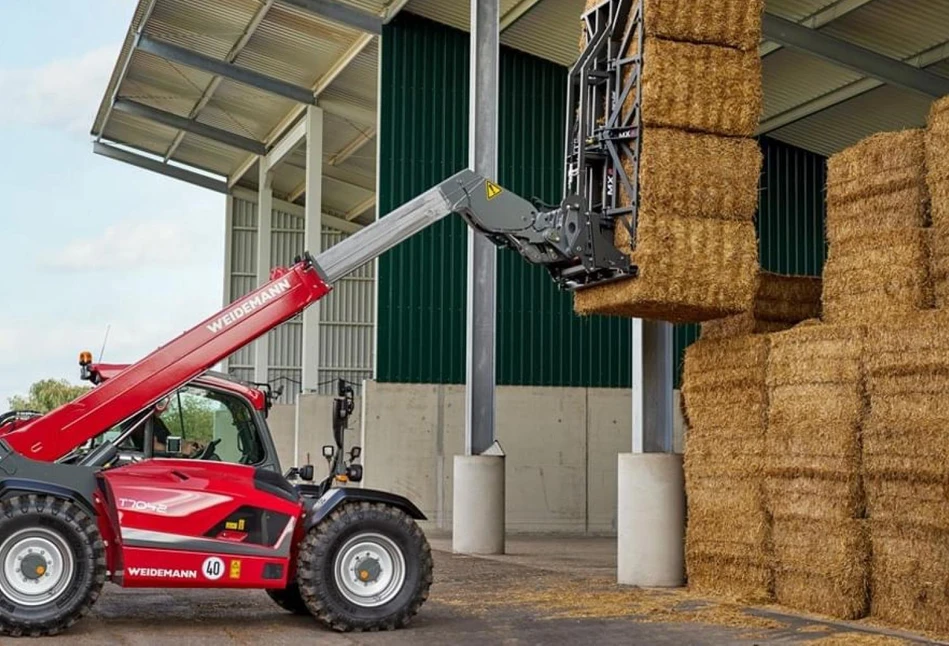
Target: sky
88,243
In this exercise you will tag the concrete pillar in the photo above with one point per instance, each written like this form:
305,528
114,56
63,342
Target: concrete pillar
313,242
650,520
264,262
478,504
478,510
651,488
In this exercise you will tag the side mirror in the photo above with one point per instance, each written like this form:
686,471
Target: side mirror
173,444
355,452
354,472
306,472
329,451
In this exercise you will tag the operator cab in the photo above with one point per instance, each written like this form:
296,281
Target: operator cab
213,417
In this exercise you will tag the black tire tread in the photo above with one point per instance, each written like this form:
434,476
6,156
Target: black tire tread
319,541
76,518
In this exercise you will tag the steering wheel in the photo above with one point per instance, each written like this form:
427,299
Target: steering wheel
208,451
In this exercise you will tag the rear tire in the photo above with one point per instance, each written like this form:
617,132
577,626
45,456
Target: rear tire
289,599
52,564
366,567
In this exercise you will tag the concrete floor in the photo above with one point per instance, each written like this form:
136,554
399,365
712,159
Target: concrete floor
544,591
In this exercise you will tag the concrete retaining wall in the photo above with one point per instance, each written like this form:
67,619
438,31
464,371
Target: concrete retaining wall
561,446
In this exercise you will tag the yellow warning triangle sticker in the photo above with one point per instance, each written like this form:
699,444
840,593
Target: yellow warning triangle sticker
493,189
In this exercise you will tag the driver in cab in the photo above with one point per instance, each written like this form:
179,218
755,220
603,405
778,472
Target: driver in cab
160,435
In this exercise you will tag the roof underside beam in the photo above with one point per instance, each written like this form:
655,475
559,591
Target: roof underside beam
341,13
515,13
147,163
189,125
853,57
820,18
918,61
243,75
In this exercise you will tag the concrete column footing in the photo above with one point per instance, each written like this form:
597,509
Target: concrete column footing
650,520
478,504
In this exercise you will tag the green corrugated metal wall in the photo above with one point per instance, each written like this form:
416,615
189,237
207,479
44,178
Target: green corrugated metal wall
424,138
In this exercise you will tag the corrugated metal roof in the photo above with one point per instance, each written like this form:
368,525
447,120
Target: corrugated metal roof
791,78
301,48
271,38
831,130
532,32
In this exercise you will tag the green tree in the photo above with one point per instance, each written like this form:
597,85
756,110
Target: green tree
47,394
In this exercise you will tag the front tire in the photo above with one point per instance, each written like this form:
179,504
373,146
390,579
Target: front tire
366,567
52,565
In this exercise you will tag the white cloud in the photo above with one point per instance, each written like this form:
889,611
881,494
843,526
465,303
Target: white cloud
62,94
133,244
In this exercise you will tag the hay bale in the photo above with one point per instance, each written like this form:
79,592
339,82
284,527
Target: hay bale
937,178
937,161
780,303
882,164
904,208
732,23
910,575
692,175
702,88
877,275
690,269
822,566
725,401
812,468
906,469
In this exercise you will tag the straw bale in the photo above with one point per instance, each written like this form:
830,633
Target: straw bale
906,436
704,88
727,517
816,354
731,23
872,276
734,23
822,566
794,493
780,303
737,579
904,498
740,325
910,575
881,164
696,175
814,428
904,208
691,269
937,161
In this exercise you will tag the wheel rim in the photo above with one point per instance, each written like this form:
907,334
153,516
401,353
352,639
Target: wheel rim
369,570
37,566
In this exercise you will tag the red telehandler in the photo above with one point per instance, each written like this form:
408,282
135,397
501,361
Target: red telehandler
165,475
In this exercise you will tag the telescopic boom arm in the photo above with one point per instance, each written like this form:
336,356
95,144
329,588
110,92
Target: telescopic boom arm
562,239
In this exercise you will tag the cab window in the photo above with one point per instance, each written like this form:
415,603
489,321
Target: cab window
212,425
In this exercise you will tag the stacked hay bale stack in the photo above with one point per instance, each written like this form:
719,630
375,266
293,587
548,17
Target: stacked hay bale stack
725,397
906,436
695,245
812,469
906,469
